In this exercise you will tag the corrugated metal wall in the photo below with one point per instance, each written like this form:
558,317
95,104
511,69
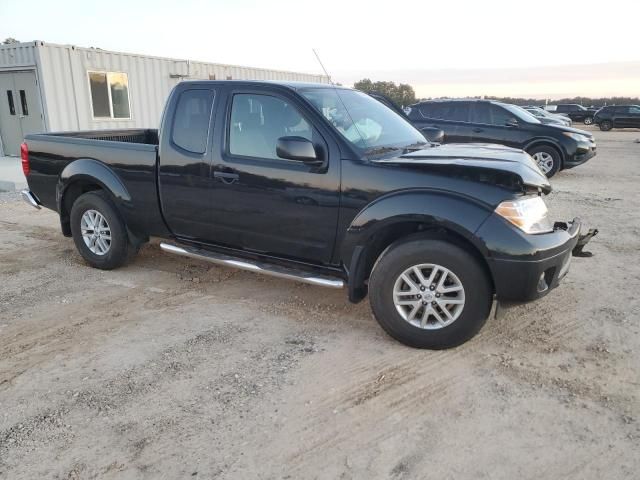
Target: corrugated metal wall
62,70
17,55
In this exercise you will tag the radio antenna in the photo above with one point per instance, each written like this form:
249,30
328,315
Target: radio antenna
338,95
322,65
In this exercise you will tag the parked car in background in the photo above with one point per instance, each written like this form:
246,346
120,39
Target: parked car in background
432,233
574,111
617,116
433,134
548,118
553,147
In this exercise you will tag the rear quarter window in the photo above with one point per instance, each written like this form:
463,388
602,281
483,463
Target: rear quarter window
190,130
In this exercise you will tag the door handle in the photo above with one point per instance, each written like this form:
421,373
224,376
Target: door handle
478,130
227,177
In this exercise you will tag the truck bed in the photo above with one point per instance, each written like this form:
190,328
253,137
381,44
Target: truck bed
146,136
130,153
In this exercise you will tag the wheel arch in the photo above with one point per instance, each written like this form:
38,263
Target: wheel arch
429,215
86,175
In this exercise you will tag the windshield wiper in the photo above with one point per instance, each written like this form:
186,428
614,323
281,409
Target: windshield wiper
414,147
381,150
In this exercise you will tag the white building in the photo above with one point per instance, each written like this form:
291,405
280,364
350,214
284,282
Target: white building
48,87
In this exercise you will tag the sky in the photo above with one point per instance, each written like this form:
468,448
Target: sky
541,49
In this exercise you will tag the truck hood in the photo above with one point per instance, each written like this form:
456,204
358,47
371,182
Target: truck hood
477,156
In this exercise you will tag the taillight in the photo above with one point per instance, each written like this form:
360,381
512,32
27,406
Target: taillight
24,155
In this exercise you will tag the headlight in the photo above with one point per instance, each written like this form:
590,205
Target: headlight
576,136
529,214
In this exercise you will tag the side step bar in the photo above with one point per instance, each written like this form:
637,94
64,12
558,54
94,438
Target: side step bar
258,267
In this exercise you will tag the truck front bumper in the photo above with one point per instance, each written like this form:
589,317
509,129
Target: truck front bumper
527,267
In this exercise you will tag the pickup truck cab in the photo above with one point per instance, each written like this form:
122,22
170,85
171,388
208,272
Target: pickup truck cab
315,183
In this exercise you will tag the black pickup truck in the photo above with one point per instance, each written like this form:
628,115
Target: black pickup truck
319,184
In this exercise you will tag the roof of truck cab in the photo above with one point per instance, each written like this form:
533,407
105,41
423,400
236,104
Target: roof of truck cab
283,83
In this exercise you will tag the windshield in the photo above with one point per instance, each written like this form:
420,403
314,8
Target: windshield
521,113
366,123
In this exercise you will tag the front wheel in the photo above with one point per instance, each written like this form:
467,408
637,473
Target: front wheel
547,158
606,125
429,294
588,120
98,231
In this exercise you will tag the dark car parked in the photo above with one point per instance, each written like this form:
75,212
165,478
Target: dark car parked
618,116
553,147
318,184
433,134
574,111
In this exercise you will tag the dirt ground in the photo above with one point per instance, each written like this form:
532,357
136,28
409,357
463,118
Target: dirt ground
171,368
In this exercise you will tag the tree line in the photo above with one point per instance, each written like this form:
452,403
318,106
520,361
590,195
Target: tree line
403,95
585,101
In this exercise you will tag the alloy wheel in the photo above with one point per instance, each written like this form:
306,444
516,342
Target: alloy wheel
429,296
96,232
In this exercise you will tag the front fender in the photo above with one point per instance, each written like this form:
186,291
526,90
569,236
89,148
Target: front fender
92,171
454,212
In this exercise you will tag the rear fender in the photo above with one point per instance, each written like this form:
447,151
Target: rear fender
87,171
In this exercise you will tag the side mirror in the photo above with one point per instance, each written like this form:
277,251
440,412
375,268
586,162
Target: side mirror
512,122
433,134
297,148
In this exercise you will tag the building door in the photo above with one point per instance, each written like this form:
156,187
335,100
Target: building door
20,109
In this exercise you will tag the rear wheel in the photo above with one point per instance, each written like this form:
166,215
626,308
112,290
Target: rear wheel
588,120
606,125
98,231
547,158
429,294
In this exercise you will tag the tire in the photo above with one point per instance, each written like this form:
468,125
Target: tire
588,120
547,158
605,125
119,248
476,294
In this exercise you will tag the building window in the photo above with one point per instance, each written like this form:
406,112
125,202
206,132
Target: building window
109,94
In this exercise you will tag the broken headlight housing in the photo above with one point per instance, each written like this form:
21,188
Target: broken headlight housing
529,214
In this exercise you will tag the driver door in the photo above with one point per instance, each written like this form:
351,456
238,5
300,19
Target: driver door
266,204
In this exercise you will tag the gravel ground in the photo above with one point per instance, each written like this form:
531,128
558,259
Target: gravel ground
170,368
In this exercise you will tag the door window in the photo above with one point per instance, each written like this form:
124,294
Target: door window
481,113
258,121
500,116
190,129
23,103
452,111
12,105
490,114
457,112
432,110
634,110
